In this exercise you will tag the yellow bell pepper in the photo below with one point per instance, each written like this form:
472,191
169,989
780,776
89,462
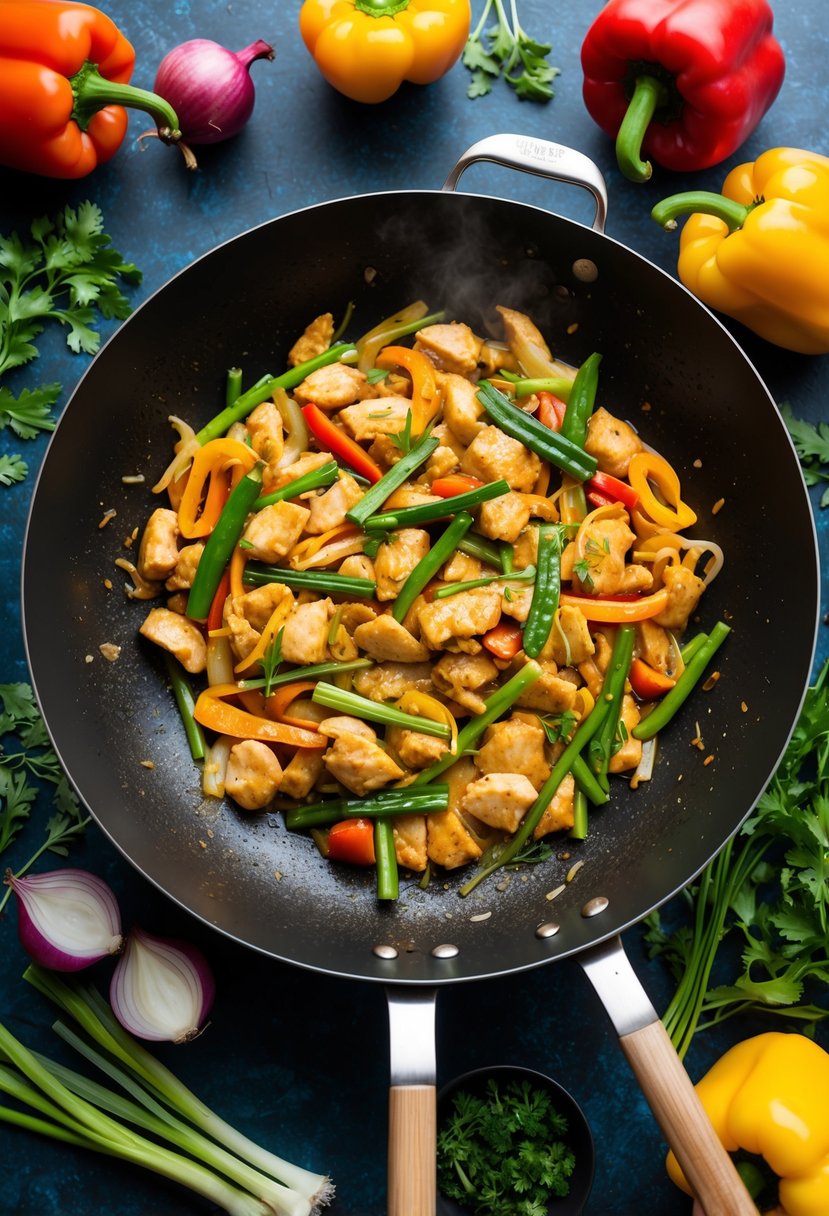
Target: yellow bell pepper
425,392
759,252
367,48
767,1096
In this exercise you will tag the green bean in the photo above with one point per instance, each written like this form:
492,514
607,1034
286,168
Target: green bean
587,783
603,744
579,829
524,386
581,401
326,475
385,857
233,387
485,550
314,580
549,445
427,512
428,566
404,801
671,702
306,673
390,481
375,711
692,646
185,701
524,576
221,542
546,591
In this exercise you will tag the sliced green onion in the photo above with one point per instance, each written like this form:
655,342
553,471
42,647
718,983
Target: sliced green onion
524,386
306,673
314,580
389,482
547,444
186,702
662,714
427,512
428,566
326,475
385,860
527,575
474,545
375,711
404,801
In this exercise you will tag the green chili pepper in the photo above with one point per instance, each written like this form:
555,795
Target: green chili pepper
549,445
546,591
220,543
581,401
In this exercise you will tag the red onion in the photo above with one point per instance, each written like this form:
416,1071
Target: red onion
162,989
67,919
209,87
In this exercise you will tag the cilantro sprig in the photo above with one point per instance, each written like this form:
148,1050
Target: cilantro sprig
811,442
506,49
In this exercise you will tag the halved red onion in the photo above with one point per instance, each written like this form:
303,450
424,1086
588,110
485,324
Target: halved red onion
67,919
162,988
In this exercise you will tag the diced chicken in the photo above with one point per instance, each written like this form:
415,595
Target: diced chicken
630,753
273,531
495,356
612,442
499,799
516,599
357,613
569,642
158,551
462,411
396,558
368,419
525,550
253,774
243,637
602,569
307,463
558,814
388,681
452,346
180,636
519,329
305,634
182,576
330,508
408,495
358,566
316,339
515,746
386,640
461,676
492,455
257,606
503,518
461,568
334,386
442,461
360,765
336,725
301,773
417,750
264,425
465,615
684,590
654,645
449,843
410,841
446,436
550,694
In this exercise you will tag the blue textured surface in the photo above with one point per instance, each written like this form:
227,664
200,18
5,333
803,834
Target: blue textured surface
297,1059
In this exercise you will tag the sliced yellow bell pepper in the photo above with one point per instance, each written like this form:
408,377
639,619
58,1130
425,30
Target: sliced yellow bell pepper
646,470
425,391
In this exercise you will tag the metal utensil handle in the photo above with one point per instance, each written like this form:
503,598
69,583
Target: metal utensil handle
665,1083
412,1181
538,156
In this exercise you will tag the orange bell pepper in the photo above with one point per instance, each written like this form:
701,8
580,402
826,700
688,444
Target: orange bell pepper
647,682
212,710
64,69
209,468
278,703
504,640
453,484
351,840
646,470
425,391
617,611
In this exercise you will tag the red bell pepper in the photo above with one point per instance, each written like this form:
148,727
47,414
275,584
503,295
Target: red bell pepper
352,840
603,489
647,682
684,82
551,410
333,438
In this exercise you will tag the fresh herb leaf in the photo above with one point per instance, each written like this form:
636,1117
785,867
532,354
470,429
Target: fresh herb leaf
271,661
507,50
403,439
811,442
30,412
12,470
375,375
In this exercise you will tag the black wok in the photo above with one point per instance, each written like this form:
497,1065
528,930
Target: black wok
245,303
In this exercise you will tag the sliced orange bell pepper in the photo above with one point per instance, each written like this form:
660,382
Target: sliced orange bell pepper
647,682
213,711
617,611
648,469
504,640
425,391
454,483
209,468
352,840
276,705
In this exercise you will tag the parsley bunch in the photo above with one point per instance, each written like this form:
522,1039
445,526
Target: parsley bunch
508,50
811,443
67,272
766,894
501,1153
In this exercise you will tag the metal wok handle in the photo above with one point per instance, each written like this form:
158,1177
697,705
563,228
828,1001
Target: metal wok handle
412,1103
538,156
665,1083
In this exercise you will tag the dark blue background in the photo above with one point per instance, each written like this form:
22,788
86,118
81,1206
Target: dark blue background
296,1059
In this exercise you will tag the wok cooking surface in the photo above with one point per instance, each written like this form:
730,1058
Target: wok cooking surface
668,367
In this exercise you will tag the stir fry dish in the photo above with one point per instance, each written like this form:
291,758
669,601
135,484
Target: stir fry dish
436,594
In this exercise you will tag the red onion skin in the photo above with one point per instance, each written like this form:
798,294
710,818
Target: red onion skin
32,940
209,87
196,959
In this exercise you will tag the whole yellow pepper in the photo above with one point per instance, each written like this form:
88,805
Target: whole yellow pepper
760,251
367,48
767,1095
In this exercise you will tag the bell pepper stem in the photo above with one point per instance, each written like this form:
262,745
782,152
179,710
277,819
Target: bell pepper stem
92,92
648,94
381,8
728,210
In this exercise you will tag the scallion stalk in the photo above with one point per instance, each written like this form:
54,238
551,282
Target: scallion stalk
428,512
404,801
374,498
326,475
375,711
527,575
314,580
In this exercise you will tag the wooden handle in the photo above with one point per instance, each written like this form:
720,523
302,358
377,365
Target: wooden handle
412,1132
679,1112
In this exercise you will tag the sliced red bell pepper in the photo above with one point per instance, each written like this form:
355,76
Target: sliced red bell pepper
504,640
551,410
603,489
352,841
647,682
216,613
333,438
453,484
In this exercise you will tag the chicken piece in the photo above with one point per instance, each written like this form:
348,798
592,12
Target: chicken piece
158,551
449,843
461,676
368,419
451,346
503,518
492,455
602,569
515,746
630,753
273,531
384,639
654,645
360,764
316,339
253,774
443,460
357,613
330,508
396,558
257,606
264,425
410,841
388,681
305,634
182,576
558,815
550,694
301,773
462,411
409,495
180,636
307,463
612,442
525,550
494,357
358,566
334,386
569,642
445,435
336,725
385,452
499,799
684,590
519,329
243,637
465,615
461,568
417,750
516,599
